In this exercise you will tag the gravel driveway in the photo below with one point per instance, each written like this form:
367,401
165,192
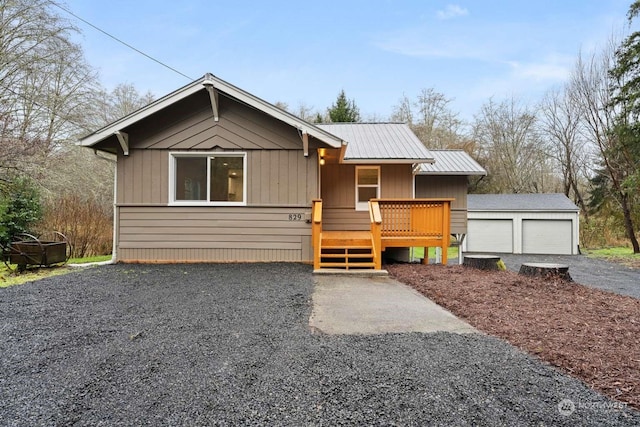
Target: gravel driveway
593,272
230,344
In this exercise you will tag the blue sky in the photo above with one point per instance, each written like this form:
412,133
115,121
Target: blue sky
376,50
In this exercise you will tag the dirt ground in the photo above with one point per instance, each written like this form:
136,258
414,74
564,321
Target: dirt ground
588,333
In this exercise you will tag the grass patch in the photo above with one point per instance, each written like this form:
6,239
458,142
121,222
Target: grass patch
98,258
452,252
10,277
620,254
606,252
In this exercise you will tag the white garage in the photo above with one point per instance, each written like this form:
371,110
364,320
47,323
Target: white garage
522,224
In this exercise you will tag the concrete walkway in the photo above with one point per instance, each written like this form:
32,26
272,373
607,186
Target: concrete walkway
376,305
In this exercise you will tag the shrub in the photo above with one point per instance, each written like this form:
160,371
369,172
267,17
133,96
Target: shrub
86,222
20,209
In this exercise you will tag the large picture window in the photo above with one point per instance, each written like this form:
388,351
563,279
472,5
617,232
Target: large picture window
209,179
367,185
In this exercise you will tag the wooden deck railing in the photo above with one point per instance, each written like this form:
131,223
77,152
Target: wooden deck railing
415,222
395,223
316,231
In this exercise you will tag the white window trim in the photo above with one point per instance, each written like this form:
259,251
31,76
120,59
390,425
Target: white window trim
364,206
208,154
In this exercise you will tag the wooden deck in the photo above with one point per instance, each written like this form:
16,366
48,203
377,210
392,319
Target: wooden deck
394,223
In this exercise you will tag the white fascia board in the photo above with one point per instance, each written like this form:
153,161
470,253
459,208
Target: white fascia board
273,111
224,87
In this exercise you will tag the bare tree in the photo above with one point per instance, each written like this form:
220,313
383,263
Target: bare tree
511,149
560,126
44,81
105,107
303,111
430,118
68,160
403,112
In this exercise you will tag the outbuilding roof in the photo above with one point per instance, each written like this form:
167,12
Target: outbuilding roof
379,142
451,162
520,202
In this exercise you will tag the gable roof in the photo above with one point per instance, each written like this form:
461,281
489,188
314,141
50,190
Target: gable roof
379,142
520,202
221,86
451,162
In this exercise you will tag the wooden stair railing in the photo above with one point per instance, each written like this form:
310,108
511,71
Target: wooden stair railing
376,229
340,249
316,231
393,223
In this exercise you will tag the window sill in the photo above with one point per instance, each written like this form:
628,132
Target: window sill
208,204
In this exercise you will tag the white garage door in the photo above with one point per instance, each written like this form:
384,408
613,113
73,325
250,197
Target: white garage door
546,237
490,235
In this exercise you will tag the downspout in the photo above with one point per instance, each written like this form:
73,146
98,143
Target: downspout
114,254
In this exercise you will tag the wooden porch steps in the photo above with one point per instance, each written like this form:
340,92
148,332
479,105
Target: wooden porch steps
346,250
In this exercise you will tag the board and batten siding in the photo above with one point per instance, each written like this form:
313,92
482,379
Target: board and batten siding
189,125
435,186
274,177
339,193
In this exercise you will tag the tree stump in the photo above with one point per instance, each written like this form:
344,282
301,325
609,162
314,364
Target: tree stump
546,270
482,262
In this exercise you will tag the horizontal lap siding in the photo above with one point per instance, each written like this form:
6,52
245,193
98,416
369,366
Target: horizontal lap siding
345,219
212,234
208,255
458,221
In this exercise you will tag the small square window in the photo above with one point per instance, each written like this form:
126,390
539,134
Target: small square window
367,185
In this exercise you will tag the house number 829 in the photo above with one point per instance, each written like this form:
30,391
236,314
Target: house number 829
295,217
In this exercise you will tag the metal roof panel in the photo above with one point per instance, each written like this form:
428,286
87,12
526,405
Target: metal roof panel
451,162
379,141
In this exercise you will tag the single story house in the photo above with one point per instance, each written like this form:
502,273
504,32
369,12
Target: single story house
522,224
211,172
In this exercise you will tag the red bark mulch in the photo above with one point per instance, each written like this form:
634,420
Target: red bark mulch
588,333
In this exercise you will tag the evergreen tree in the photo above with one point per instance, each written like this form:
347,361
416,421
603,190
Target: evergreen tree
344,110
20,209
622,158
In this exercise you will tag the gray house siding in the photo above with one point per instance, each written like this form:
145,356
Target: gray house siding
281,182
339,196
438,186
172,233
